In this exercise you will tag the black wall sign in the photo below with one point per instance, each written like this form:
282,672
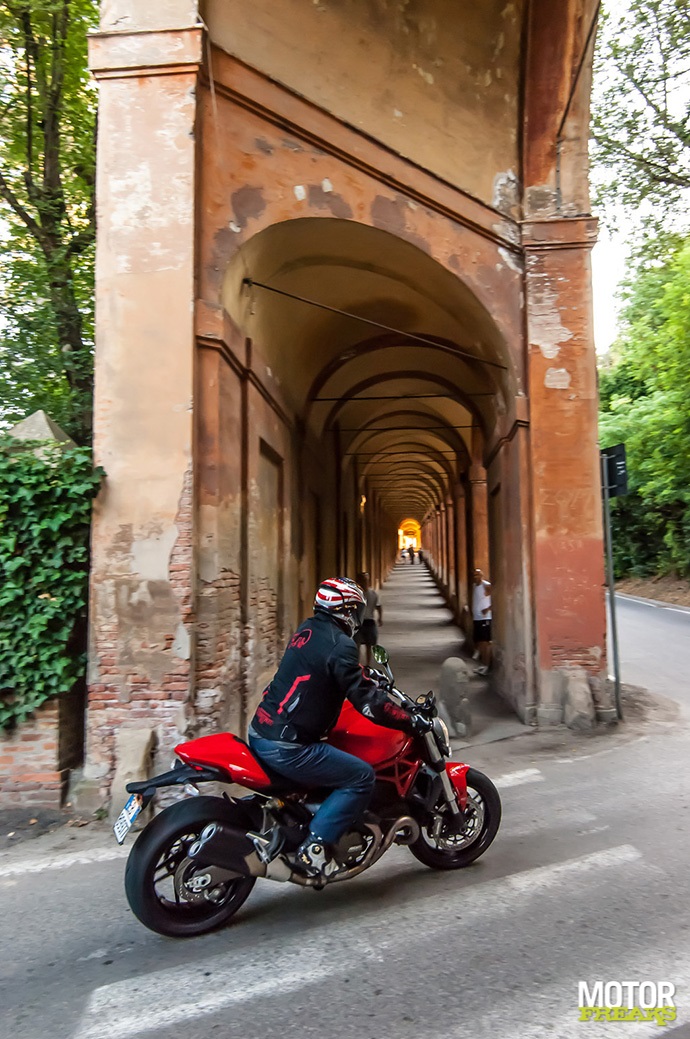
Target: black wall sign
615,470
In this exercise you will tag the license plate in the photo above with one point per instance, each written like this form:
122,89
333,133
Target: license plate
126,818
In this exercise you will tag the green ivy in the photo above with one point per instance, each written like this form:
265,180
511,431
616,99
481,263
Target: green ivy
46,495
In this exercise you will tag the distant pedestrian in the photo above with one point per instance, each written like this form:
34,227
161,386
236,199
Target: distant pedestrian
411,554
481,616
420,555
368,634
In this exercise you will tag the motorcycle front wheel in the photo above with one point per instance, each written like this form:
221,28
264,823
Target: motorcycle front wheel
440,848
164,889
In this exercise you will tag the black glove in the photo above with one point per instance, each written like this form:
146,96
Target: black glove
420,724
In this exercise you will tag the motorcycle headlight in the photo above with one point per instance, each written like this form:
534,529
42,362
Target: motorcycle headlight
442,736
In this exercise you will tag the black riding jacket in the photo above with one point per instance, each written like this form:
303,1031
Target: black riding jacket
319,671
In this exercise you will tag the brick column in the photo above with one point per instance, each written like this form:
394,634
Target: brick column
570,619
480,519
140,668
461,546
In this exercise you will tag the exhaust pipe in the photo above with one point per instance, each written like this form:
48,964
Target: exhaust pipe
228,848
235,851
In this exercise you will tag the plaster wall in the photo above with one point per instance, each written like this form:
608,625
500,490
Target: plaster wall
143,574
135,16
436,81
225,499
511,549
258,175
219,613
566,486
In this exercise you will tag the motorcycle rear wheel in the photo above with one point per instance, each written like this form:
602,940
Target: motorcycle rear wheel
458,851
159,853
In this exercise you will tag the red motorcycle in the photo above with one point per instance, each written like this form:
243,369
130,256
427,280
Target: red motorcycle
195,863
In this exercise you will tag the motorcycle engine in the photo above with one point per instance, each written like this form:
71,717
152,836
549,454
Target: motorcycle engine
351,847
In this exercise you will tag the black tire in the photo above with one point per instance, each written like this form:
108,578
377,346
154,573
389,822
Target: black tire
157,853
485,796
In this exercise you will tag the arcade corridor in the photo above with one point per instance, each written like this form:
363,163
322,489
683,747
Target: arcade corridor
419,633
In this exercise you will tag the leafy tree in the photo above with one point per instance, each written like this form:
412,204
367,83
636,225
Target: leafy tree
47,161
644,405
641,109
45,509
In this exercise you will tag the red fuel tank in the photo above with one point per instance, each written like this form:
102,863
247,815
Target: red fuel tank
373,743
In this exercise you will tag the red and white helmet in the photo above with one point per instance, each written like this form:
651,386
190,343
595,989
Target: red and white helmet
342,599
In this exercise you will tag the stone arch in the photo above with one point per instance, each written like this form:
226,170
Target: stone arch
383,385
464,215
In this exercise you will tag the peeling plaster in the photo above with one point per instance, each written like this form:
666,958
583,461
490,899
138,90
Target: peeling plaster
514,262
248,203
506,229
180,646
506,191
134,202
546,329
300,192
426,76
557,378
151,556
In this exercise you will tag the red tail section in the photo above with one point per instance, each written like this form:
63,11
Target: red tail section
229,753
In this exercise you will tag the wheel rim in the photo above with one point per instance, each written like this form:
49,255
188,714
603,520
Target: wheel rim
475,815
179,883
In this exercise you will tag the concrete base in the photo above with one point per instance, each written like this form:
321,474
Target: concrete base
549,714
134,752
454,696
84,794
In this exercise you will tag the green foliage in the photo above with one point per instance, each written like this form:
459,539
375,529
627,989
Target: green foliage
47,163
45,508
641,110
644,404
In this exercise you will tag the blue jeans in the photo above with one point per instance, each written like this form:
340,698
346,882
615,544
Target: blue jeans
320,765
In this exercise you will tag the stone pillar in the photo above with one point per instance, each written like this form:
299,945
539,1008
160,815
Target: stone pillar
480,519
442,553
462,583
570,618
450,542
440,544
146,59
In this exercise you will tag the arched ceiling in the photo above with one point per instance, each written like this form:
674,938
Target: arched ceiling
409,399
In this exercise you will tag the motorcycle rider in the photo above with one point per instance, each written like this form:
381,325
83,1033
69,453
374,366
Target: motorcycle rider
319,670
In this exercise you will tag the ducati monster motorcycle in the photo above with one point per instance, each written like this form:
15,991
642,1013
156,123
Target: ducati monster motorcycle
196,862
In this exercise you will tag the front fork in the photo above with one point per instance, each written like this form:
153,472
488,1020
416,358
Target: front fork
438,764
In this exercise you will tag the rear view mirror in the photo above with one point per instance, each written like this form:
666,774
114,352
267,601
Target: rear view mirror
380,655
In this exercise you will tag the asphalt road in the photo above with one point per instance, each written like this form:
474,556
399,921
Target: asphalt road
587,881
654,641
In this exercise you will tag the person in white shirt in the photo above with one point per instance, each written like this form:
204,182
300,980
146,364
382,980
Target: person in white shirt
481,616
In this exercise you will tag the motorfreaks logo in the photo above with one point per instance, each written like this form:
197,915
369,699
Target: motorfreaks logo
627,1001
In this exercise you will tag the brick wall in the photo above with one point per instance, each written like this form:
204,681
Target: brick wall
139,675
36,758
217,701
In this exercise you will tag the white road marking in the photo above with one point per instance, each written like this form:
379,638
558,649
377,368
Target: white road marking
138,1005
656,604
77,858
525,775
129,1008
